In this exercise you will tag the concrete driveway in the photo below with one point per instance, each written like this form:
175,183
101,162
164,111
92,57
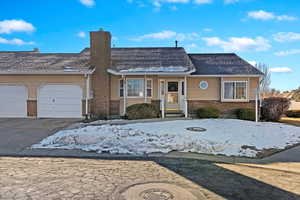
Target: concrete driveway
17,134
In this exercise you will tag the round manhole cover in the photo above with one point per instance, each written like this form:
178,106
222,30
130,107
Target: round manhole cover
156,194
156,191
196,129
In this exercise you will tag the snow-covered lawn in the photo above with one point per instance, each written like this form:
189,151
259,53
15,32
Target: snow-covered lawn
223,136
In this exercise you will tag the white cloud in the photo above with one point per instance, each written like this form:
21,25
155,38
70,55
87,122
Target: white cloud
81,34
167,34
202,1
208,30
191,46
230,1
288,52
264,15
253,63
239,43
10,26
286,36
88,3
15,41
280,69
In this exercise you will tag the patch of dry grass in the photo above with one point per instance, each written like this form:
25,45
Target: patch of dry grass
291,121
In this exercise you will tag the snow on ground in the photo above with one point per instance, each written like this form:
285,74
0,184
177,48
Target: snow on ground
223,136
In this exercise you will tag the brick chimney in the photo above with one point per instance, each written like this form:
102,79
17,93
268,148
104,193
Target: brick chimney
100,53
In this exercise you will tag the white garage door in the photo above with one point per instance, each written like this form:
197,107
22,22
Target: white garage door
13,101
60,101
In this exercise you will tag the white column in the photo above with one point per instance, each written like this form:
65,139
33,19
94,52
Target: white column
256,104
87,95
145,89
125,94
185,98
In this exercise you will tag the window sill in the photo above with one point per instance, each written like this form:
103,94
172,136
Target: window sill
235,100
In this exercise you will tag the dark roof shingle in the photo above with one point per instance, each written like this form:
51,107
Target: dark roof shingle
222,64
34,62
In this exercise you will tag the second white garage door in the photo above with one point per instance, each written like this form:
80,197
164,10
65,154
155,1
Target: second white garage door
60,101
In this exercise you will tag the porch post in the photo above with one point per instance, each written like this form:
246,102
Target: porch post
256,104
145,89
87,96
185,98
125,95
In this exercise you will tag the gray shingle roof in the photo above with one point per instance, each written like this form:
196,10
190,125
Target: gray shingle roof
222,64
35,62
156,59
152,59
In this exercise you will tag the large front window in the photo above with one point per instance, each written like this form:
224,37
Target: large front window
235,90
136,88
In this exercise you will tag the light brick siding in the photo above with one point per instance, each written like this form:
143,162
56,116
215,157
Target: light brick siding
224,107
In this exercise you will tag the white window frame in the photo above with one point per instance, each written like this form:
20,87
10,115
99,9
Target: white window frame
121,88
234,100
151,87
144,92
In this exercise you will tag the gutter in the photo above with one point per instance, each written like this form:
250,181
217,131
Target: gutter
234,75
48,73
151,73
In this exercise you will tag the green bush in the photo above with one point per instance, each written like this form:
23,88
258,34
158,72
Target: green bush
246,114
293,113
208,112
142,111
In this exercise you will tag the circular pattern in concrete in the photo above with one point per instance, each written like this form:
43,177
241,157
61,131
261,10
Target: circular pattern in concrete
196,129
156,191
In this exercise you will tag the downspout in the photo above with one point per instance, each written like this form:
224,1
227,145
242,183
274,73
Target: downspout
87,96
185,98
145,89
125,94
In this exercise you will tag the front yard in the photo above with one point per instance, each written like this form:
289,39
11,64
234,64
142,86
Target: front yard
219,136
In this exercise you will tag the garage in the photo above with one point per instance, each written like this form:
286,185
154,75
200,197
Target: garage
59,101
13,101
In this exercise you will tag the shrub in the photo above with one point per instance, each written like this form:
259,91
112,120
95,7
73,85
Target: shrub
245,114
208,112
273,108
142,111
293,113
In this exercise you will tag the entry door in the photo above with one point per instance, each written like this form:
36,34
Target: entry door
173,95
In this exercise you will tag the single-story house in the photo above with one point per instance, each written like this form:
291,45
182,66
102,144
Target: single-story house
104,80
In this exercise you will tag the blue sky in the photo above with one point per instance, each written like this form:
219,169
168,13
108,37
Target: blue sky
265,31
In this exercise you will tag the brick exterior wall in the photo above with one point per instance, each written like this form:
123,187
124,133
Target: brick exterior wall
90,105
156,103
31,108
224,107
114,108
101,60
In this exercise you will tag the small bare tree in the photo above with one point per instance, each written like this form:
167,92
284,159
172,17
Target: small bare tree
266,80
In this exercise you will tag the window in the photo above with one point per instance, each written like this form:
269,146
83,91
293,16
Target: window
235,90
121,92
203,85
182,88
135,88
149,88
172,86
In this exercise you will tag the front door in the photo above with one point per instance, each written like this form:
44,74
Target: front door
172,101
